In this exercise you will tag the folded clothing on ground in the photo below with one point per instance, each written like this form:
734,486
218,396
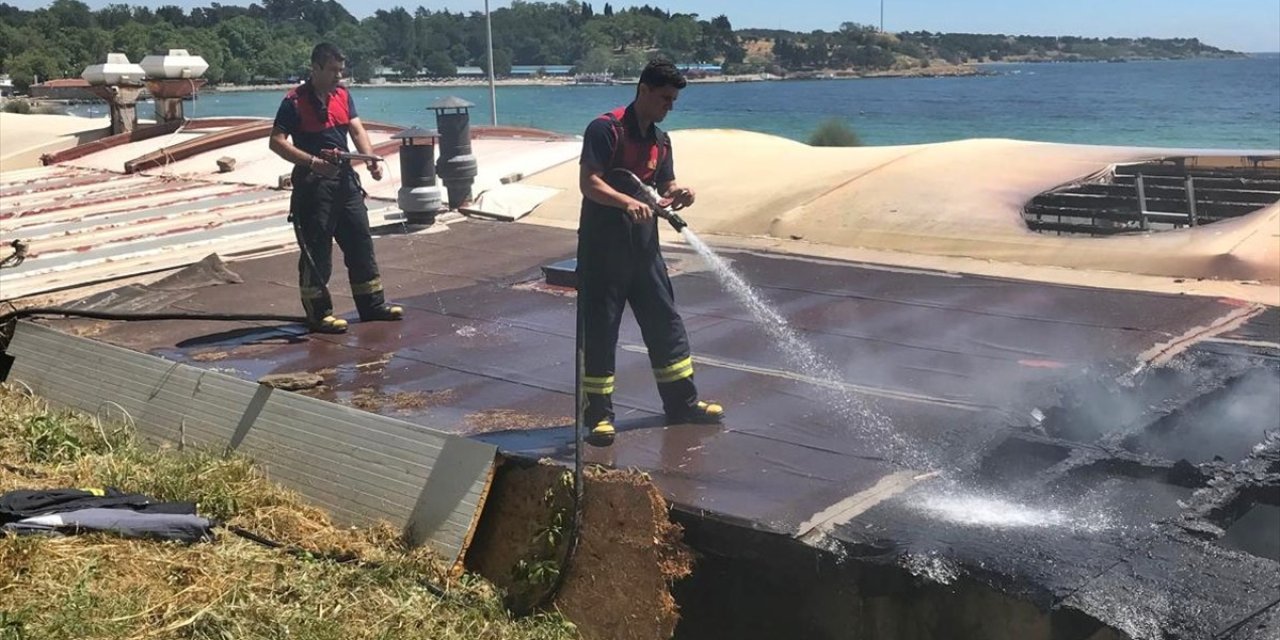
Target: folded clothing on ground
66,511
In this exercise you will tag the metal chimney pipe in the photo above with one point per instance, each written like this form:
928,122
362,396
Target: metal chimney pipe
419,197
456,166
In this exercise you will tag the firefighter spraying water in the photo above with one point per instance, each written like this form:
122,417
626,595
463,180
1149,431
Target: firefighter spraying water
620,260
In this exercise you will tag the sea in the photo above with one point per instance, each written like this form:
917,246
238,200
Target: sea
1200,104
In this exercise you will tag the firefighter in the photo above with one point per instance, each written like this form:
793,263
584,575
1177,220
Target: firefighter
619,259
328,201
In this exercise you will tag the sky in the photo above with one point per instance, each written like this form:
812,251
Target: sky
1240,25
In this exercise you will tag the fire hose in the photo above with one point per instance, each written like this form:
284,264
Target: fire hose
631,184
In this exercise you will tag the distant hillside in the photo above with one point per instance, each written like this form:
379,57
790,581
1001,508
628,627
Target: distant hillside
270,40
856,46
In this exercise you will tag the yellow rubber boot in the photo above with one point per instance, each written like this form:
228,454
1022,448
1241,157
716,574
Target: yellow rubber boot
701,413
603,429
328,324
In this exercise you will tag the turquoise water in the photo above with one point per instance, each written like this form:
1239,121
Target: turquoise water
1233,104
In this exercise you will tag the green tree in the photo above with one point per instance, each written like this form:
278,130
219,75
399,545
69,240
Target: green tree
411,68
236,72
502,62
71,14
31,66
363,70
9,42
679,34
629,64
173,15
114,16
440,65
597,60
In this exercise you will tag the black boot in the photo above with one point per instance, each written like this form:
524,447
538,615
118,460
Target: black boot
384,311
327,324
700,413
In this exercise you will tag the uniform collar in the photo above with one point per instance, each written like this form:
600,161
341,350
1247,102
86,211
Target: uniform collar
632,124
310,90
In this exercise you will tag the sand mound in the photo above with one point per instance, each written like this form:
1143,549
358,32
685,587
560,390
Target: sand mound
962,199
26,136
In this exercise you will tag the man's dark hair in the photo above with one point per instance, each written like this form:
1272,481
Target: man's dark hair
661,73
326,52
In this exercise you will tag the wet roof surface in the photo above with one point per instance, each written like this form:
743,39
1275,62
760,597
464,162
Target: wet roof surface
955,364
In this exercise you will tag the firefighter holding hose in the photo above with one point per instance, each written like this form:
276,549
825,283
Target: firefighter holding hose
619,258
328,201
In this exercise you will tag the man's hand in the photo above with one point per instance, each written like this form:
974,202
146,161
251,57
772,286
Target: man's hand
681,198
321,165
375,170
639,211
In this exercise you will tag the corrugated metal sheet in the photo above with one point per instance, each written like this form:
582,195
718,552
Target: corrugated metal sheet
87,221
86,225
359,466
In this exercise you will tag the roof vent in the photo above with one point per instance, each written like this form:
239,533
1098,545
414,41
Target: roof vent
174,65
116,70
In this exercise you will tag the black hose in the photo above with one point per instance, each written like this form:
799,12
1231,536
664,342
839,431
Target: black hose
336,558
147,315
579,424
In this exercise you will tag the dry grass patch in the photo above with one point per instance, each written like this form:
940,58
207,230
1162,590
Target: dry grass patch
96,586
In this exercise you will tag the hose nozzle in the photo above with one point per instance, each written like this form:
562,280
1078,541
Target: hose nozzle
674,218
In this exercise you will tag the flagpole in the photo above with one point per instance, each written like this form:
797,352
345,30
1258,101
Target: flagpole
493,92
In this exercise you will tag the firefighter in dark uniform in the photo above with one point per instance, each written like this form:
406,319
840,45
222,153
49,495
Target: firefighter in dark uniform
619,259
328,201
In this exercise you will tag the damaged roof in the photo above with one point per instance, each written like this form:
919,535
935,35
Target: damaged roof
935,369
1024,394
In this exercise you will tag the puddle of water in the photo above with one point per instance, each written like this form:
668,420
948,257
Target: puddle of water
802,358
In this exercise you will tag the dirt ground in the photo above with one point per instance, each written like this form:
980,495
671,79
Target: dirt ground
629,552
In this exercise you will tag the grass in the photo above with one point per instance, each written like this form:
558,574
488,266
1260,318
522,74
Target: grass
98,586
834,133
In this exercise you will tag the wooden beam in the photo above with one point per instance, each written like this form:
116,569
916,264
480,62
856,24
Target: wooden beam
186,149
81,150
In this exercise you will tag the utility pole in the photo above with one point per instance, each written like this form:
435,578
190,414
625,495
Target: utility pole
881,16
493,92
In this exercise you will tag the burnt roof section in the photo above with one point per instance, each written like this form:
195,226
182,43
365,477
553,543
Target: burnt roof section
1154,196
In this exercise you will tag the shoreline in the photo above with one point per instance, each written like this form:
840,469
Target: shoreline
935,71
938,69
